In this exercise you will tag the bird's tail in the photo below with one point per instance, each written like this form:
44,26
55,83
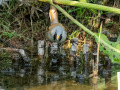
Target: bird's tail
53,15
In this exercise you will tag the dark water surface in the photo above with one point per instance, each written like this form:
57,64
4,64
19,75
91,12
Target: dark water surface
55,76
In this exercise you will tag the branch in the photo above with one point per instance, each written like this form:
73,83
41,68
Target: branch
21,51
85,5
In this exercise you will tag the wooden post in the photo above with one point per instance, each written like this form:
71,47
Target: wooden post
41,44
54,48
73,50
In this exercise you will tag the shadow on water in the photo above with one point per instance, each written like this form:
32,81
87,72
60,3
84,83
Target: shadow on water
57,74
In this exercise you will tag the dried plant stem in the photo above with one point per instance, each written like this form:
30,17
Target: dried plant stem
98,48
31,37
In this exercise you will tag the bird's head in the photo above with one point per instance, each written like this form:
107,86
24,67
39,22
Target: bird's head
59,34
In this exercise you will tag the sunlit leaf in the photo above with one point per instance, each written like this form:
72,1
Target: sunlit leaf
113,55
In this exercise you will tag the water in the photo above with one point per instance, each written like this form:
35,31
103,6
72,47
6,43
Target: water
56,74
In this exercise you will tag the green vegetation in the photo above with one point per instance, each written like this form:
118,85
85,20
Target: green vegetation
93,6
24,25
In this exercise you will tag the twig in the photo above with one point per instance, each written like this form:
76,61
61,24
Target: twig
6,43
32,33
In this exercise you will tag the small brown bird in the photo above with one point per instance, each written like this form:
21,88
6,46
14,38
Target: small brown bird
56,32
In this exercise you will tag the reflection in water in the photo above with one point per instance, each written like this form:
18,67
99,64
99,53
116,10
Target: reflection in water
60,77
40,74
80,78
108,70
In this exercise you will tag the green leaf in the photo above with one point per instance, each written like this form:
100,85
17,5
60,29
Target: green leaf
113,55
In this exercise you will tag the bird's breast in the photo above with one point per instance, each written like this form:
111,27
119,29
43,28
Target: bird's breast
51,31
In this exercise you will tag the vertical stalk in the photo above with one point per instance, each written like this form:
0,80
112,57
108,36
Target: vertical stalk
32,35
98,48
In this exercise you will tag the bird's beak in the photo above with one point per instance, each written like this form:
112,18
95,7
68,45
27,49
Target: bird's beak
57,37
